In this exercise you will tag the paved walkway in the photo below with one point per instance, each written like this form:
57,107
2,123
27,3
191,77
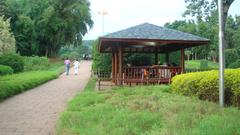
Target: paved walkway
36,111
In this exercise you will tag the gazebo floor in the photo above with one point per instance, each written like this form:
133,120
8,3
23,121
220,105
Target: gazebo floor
108,84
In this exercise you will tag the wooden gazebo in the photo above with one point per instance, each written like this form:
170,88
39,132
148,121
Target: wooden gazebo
146,38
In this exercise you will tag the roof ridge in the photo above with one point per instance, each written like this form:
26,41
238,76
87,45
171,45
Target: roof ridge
152,31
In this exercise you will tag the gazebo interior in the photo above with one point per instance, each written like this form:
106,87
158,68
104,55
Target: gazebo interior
150,39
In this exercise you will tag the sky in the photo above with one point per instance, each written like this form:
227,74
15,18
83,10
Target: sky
123,14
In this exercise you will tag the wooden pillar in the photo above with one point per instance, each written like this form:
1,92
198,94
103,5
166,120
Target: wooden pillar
167,58
113,67
116,67
156,58
182,61
120,57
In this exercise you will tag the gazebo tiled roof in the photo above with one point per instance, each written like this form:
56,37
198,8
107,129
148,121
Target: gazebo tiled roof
150,31
149,38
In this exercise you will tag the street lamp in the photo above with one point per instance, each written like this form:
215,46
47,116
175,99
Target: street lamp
221,54
103,13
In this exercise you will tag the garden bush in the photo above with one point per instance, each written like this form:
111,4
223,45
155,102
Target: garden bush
4,70
231,55
205,85
13,60
35,63
101,61
235,64
203,64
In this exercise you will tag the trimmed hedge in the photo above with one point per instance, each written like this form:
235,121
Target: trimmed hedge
17,83
205,85
5,70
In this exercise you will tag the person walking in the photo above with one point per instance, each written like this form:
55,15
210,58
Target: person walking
67,63
76,66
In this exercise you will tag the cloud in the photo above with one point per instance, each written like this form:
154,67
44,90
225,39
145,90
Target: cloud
126,13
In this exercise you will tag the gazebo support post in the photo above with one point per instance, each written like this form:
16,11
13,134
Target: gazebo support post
116,67
113,67
182,61
120,56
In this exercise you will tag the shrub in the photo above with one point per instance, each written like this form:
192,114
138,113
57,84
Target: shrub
139,59
35,63
4,70
13,60
231,55
203,64
64,56
205,85
235,64
74,55
101,61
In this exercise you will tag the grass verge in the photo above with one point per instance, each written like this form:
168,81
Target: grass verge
145,110
13,84
195,64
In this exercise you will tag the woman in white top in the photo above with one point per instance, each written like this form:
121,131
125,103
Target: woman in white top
76,66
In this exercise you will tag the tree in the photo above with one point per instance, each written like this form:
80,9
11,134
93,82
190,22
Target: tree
26,36
7,40
3,7
42,27
203,9
213,55
188,53
64,22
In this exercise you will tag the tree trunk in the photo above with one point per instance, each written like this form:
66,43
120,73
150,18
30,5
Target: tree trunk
46,52
226,6
214,59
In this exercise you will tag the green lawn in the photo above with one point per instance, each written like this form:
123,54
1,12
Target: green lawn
195,64
16,83
148,110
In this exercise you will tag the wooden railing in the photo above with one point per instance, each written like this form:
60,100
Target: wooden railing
149,74
140,74
101,76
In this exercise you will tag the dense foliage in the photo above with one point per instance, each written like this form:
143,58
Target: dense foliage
5,70
204,22
7,40
193,65
139,59
76,52
13,60
41,27
205,85
35,63
235,64
145,110
101,61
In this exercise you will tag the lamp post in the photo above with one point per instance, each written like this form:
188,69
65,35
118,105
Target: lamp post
103,13
221,53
